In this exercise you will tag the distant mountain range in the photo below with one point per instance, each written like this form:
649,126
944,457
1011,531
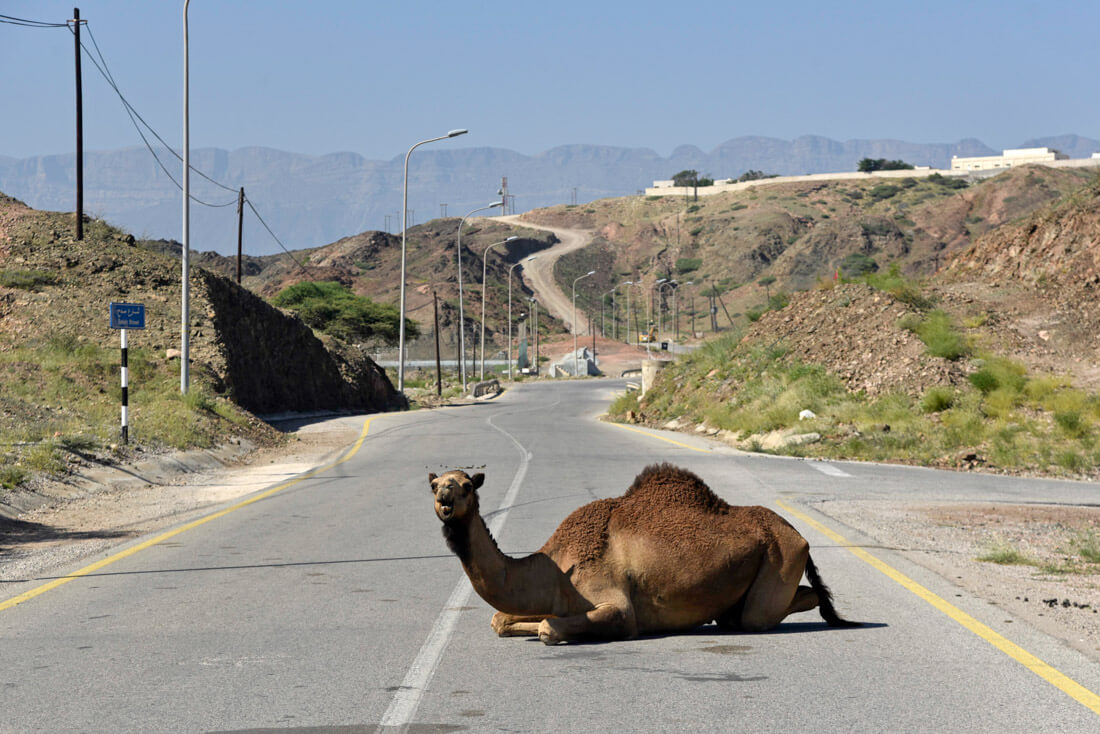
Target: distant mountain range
309,201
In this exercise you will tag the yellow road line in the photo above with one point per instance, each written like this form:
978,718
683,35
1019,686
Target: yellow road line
90,569
662,438
1056,678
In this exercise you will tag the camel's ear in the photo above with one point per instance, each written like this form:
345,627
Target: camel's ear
477,480
431,478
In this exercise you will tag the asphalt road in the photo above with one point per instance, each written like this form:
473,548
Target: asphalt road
330,604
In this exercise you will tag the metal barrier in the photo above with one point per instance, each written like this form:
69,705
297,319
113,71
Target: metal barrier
631,372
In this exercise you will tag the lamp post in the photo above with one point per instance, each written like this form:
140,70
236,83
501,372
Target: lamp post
510,311
404,230
576,359
629,282
660,302
461,311
185,300
484,273
649,320
615,321
676,310
535,328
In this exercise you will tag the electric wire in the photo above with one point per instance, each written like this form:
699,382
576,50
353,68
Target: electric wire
135,117
105,72
274,237
12,20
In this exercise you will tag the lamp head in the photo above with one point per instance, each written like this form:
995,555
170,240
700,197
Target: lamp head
456,133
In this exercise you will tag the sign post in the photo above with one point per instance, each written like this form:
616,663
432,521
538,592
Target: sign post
126,316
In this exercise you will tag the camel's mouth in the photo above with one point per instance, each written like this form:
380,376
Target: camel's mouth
445,510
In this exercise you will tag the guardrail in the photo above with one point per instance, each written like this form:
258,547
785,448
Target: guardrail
631,372
484,388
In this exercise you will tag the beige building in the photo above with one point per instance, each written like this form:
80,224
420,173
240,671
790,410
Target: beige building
1007,159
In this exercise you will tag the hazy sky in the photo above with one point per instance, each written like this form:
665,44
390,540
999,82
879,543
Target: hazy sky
374,77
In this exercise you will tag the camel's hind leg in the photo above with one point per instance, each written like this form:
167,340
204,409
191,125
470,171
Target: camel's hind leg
775,592
511,625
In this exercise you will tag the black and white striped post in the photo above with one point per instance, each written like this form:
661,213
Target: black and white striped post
125,393
126,316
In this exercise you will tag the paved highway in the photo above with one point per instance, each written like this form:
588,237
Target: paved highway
330,604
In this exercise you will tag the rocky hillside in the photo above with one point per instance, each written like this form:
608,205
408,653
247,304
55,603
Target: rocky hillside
262,358
800,233
369,264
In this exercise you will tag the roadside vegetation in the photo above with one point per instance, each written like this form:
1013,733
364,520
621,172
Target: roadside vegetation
1002,418
61,402
329,307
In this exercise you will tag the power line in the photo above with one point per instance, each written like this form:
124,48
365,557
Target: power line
135,117
11,20
105,71
303,267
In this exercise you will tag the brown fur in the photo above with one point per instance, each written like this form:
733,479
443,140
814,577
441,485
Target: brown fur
667,555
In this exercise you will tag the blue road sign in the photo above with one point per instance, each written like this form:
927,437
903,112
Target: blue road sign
127,315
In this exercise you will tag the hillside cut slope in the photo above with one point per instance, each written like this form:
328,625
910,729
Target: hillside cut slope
262,358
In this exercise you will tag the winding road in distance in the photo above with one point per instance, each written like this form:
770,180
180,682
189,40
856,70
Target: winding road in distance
330,603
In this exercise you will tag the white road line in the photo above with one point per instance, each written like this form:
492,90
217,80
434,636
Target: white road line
406,701
832,471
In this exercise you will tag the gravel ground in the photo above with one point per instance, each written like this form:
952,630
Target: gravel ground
950,538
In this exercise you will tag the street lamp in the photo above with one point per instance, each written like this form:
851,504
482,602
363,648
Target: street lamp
676,310
535,328
576,359
614,322
404,230
510,311
484,274
461,311
660,302
649,321
629,282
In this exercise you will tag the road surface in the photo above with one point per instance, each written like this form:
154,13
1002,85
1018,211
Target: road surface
331,604
539,273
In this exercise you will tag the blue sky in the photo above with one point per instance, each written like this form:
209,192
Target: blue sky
375,77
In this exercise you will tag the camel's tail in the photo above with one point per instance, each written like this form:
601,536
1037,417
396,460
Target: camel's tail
825,598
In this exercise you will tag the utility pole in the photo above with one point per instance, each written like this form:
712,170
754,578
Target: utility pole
574,196
438,364
79,130
240,232
442,211
388,224
504,194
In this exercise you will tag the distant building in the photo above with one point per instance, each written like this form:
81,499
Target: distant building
1007,159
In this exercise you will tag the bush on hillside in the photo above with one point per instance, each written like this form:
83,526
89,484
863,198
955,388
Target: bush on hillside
330,308
867,165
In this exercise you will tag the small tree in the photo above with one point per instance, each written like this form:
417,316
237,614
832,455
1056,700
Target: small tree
869,165
767,281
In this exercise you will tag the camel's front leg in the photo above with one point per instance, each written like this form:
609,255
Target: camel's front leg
605,622
512,625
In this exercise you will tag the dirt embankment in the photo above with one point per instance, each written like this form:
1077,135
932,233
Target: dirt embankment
264,359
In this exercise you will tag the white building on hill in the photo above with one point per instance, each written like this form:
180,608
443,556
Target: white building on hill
1007,159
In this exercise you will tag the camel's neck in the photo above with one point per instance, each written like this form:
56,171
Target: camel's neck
529,586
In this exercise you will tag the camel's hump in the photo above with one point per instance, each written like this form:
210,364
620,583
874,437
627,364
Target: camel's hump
661,490
671,486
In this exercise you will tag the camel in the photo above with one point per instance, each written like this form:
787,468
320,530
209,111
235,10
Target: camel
669,555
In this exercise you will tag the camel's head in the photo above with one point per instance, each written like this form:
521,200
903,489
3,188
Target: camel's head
455,494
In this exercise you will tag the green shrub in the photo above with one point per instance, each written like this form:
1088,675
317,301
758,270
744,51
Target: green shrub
856,265
28,280
329,307
883,191
937,399
687,265
998,372
11,476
